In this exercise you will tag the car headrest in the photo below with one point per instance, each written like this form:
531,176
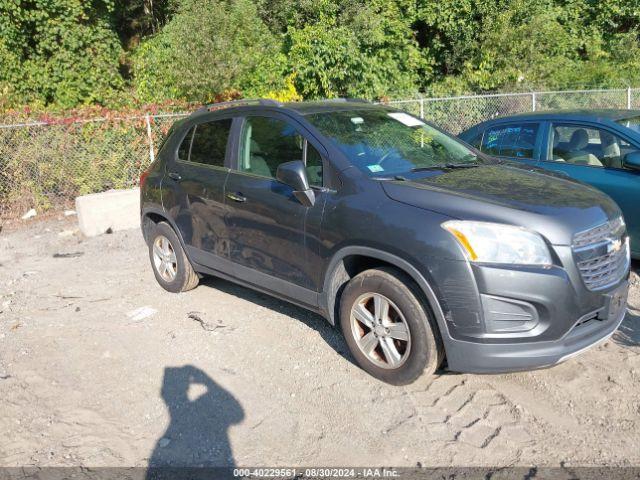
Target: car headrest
610,146
255,148
579,139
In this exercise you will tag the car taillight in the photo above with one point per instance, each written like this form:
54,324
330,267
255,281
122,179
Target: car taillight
143,177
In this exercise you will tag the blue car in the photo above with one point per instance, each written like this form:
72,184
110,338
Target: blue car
597,147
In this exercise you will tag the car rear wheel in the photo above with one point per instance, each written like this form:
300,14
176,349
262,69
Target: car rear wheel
170,264
387,327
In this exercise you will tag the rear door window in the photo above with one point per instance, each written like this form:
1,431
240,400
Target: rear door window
516,140
185,146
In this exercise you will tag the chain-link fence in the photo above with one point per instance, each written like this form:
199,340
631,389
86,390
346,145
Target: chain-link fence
459,113
46,165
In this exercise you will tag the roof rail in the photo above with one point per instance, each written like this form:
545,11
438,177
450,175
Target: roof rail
211,107
346,99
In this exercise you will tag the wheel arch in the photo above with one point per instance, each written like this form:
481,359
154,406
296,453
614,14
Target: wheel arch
349,261
153,216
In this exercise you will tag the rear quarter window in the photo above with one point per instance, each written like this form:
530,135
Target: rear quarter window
185,146
209,145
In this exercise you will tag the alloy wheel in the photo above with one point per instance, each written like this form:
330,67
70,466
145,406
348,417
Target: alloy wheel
164,258
380,330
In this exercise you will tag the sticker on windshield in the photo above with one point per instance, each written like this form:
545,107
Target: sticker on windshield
406,119
375,168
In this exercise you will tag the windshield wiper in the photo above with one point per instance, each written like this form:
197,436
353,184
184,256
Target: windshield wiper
447,166
398,178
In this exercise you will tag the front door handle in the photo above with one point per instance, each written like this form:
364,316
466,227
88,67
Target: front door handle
237,197
175,176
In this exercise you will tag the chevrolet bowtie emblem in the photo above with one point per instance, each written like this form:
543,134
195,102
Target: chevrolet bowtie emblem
614,245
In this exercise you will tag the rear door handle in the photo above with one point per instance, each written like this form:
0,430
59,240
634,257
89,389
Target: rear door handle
237,197
175,176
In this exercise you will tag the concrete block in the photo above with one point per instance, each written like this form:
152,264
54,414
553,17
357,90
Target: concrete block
115,210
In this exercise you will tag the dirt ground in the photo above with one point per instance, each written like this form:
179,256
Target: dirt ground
225,376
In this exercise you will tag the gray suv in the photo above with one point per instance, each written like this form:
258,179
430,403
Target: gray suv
421,248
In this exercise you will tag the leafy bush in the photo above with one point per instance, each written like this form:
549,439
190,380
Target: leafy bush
61,52
363,49
66,53
210,47
532,44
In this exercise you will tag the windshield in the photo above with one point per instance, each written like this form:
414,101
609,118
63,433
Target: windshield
633,123
383,142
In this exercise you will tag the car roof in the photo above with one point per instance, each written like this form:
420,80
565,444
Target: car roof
578,114
324,106
302,108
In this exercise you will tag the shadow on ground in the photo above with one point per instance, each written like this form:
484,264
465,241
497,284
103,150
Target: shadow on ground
201,413
628,334
332,336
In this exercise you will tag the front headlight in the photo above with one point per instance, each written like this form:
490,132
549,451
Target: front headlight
497,243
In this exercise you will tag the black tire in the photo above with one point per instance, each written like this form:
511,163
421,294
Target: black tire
185,277
422,354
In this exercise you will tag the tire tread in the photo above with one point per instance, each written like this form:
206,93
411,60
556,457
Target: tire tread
430,357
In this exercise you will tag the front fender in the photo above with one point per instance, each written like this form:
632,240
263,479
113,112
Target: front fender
335,270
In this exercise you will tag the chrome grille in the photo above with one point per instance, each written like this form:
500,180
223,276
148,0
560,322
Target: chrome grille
602,254
600,233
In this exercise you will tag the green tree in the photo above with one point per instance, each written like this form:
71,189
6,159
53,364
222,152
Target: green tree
355,49
134,20
208,48
66,53
61,52
523,44
449,33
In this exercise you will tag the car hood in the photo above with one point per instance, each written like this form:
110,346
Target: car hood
512,194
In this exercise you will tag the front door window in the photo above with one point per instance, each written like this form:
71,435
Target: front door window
581,145
268,142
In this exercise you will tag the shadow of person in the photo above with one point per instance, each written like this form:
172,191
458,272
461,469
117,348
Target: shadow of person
201,413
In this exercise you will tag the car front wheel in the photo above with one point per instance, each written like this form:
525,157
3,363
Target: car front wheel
387,328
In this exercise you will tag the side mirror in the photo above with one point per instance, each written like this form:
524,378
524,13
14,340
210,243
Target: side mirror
295,175
632,160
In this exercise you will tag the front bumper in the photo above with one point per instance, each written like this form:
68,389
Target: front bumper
564,317
471,357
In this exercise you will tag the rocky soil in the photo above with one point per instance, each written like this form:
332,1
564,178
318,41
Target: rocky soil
101,367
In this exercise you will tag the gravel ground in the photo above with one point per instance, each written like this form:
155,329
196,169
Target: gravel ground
222,375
